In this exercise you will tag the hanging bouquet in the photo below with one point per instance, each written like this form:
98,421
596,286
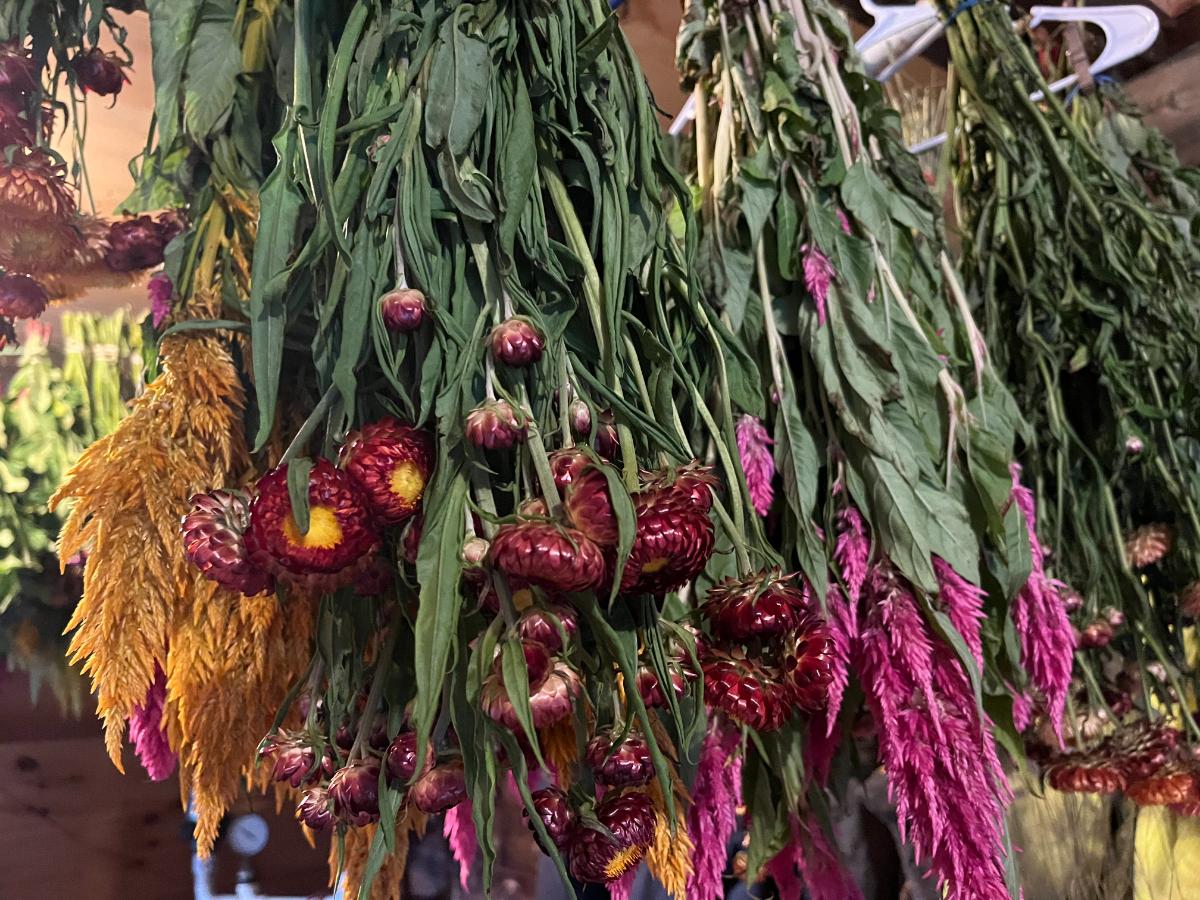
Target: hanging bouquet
1079,249
892,438
50,60
49,418
452,439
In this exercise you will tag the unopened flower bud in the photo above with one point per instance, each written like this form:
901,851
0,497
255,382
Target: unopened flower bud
1134,446
403,310
494,425
355,793
516,342
474,551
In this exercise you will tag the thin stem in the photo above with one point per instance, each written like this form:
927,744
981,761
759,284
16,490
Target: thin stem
383,667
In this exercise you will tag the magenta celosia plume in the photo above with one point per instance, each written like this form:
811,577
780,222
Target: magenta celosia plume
754,448
160,291
713,817
963,603
818,276
809,861
1040,616
459,830
622,888
146,731
944,774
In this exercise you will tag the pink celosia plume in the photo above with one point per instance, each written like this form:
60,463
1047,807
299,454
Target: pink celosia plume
943,771
809,862
146,731
1040,616
963,603
818,276
459,830
843,220
160,290
713,817
622,888
852,555
754,448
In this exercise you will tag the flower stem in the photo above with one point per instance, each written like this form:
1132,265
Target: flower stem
300,441
383,666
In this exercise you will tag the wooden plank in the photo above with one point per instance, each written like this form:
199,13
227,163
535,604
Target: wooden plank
1169,95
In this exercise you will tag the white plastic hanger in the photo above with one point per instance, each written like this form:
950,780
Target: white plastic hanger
1128,31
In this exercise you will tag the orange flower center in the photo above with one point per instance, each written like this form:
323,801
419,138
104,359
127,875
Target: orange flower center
324,530
621,863
655,565
407,483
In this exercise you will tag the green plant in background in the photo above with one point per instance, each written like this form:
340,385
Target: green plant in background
50,415
1080,247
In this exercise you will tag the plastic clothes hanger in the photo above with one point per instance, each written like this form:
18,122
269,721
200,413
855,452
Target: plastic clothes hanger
1129,31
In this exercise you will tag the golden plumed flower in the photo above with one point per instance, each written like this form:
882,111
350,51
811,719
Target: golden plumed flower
391,463
341,540
1148,544
231,659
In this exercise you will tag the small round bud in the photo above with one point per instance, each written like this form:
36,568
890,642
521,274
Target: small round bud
1134,446
516,342
403,310
494,425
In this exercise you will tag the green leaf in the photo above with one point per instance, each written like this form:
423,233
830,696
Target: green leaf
626,515
516,685
518,166
1020,555
439,569
213,67
172,23
297,481
458,85
281,202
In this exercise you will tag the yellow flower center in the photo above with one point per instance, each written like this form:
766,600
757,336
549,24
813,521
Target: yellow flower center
655,565
621,863
522,599
407,482
324,530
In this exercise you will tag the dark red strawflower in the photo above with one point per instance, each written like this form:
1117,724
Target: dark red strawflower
1172,785
1097,634
314,809
494,425
213,541
354,791
548,627
99,73
34,190
745,692
626,764
606,443
340,542
553,689
375,579
136,243
21,297
556,813
18,74
598,858
403,310
589,507
566,465
294,759
391,463
673,544
650,688
401,758
808,661
1077,774
440,789
548,556
516,342
763,605
693,481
